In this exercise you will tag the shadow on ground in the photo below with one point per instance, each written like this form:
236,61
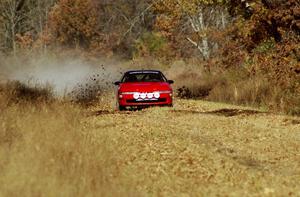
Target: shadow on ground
112,112
291,121
222,112
219,112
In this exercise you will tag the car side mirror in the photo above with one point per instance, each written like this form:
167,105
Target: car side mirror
170,81
117,83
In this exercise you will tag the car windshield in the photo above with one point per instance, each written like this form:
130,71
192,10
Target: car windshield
144,77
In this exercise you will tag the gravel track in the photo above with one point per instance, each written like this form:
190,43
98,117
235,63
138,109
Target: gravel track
204,149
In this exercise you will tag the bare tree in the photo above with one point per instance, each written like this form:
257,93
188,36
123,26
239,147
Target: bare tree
38,13
128,19
206,18
19,17
12,17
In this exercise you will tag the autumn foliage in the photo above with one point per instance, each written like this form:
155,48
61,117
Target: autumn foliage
74,24
271,45
250,38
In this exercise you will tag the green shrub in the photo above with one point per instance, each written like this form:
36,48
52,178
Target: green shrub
150,44
265,46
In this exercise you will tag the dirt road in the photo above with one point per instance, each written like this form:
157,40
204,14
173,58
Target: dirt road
203,148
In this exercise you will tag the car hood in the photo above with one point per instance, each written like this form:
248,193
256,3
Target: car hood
144,87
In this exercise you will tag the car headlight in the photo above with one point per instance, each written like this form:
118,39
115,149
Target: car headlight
156,95
143,95
136,95
150,95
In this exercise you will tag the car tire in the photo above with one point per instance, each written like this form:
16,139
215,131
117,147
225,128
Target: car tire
122,108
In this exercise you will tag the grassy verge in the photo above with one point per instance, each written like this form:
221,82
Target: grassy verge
240,88
47,149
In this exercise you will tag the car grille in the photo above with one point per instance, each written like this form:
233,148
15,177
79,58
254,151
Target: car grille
146,101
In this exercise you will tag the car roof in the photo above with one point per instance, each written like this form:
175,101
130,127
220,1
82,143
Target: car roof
142,71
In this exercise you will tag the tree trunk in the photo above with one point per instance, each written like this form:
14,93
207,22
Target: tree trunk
205,48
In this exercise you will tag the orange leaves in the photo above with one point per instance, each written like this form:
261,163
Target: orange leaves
73,22
169,15
98,27
25,41
165,24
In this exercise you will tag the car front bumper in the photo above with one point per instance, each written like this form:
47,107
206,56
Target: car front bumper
127,100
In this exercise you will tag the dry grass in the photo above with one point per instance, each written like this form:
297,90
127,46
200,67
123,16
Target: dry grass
191,80
13,92
196,149
258,92
48,149
236,87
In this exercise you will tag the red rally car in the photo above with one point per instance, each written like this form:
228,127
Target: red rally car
142,88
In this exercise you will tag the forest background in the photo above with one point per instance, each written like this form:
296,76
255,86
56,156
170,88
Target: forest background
238,51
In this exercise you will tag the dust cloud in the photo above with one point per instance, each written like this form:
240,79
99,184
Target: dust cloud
64,75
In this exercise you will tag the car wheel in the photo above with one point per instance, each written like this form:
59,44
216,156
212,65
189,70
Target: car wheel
119,107
122,108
